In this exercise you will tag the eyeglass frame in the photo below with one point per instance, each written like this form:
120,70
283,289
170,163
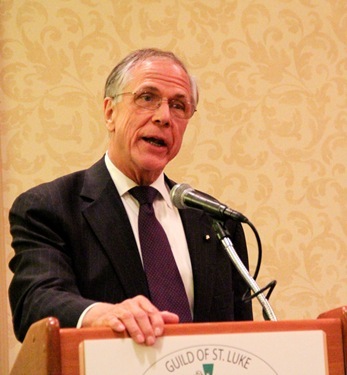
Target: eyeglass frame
133,93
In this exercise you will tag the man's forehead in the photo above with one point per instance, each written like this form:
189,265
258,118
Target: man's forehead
157,62
160,72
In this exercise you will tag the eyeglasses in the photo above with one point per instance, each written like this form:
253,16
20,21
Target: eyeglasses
179,107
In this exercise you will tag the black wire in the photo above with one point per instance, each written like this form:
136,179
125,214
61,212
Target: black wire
260,250
247,297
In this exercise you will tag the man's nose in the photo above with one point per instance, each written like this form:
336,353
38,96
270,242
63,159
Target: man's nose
162,114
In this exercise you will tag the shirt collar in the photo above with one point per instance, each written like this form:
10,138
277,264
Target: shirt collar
124,183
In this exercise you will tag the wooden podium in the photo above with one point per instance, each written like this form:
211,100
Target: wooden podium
51,350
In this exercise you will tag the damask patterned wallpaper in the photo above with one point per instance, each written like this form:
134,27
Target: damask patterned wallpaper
269,137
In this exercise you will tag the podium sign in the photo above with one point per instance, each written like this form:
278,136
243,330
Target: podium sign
265,353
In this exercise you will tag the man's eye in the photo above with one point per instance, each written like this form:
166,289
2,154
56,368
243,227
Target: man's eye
176,104
147,97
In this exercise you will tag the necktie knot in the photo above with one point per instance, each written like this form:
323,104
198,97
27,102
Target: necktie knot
144,194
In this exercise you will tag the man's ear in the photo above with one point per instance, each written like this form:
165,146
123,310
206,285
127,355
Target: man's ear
108,113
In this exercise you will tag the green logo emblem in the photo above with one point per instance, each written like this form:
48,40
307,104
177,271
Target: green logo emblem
208,369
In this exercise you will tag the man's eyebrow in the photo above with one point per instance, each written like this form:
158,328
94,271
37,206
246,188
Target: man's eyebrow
156,90
148,88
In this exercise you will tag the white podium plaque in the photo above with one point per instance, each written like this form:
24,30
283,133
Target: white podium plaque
266,353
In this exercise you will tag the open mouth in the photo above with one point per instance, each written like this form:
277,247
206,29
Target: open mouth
155,141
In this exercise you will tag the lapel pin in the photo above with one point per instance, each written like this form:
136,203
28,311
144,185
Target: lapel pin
207,237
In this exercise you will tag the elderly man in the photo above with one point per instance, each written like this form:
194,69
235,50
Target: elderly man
83,243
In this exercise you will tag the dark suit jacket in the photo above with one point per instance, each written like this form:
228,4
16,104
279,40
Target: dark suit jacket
74,246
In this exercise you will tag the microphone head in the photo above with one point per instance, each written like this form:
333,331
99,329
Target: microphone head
177,194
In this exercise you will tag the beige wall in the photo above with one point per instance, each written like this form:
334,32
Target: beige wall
269,137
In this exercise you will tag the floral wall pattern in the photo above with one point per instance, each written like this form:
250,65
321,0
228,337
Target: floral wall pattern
269,137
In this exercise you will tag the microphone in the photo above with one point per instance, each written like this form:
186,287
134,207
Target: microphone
183,196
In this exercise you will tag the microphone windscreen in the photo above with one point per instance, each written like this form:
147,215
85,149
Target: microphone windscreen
177,194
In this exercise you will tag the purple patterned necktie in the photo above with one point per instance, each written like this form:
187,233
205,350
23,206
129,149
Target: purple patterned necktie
164,280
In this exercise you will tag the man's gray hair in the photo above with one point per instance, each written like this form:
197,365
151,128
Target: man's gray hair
121,73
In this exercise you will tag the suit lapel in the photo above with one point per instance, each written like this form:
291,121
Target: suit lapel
105,213
199,238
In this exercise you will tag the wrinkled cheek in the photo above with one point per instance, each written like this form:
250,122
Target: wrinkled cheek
175,150
179,138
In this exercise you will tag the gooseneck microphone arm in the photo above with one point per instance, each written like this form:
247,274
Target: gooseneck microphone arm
223,236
